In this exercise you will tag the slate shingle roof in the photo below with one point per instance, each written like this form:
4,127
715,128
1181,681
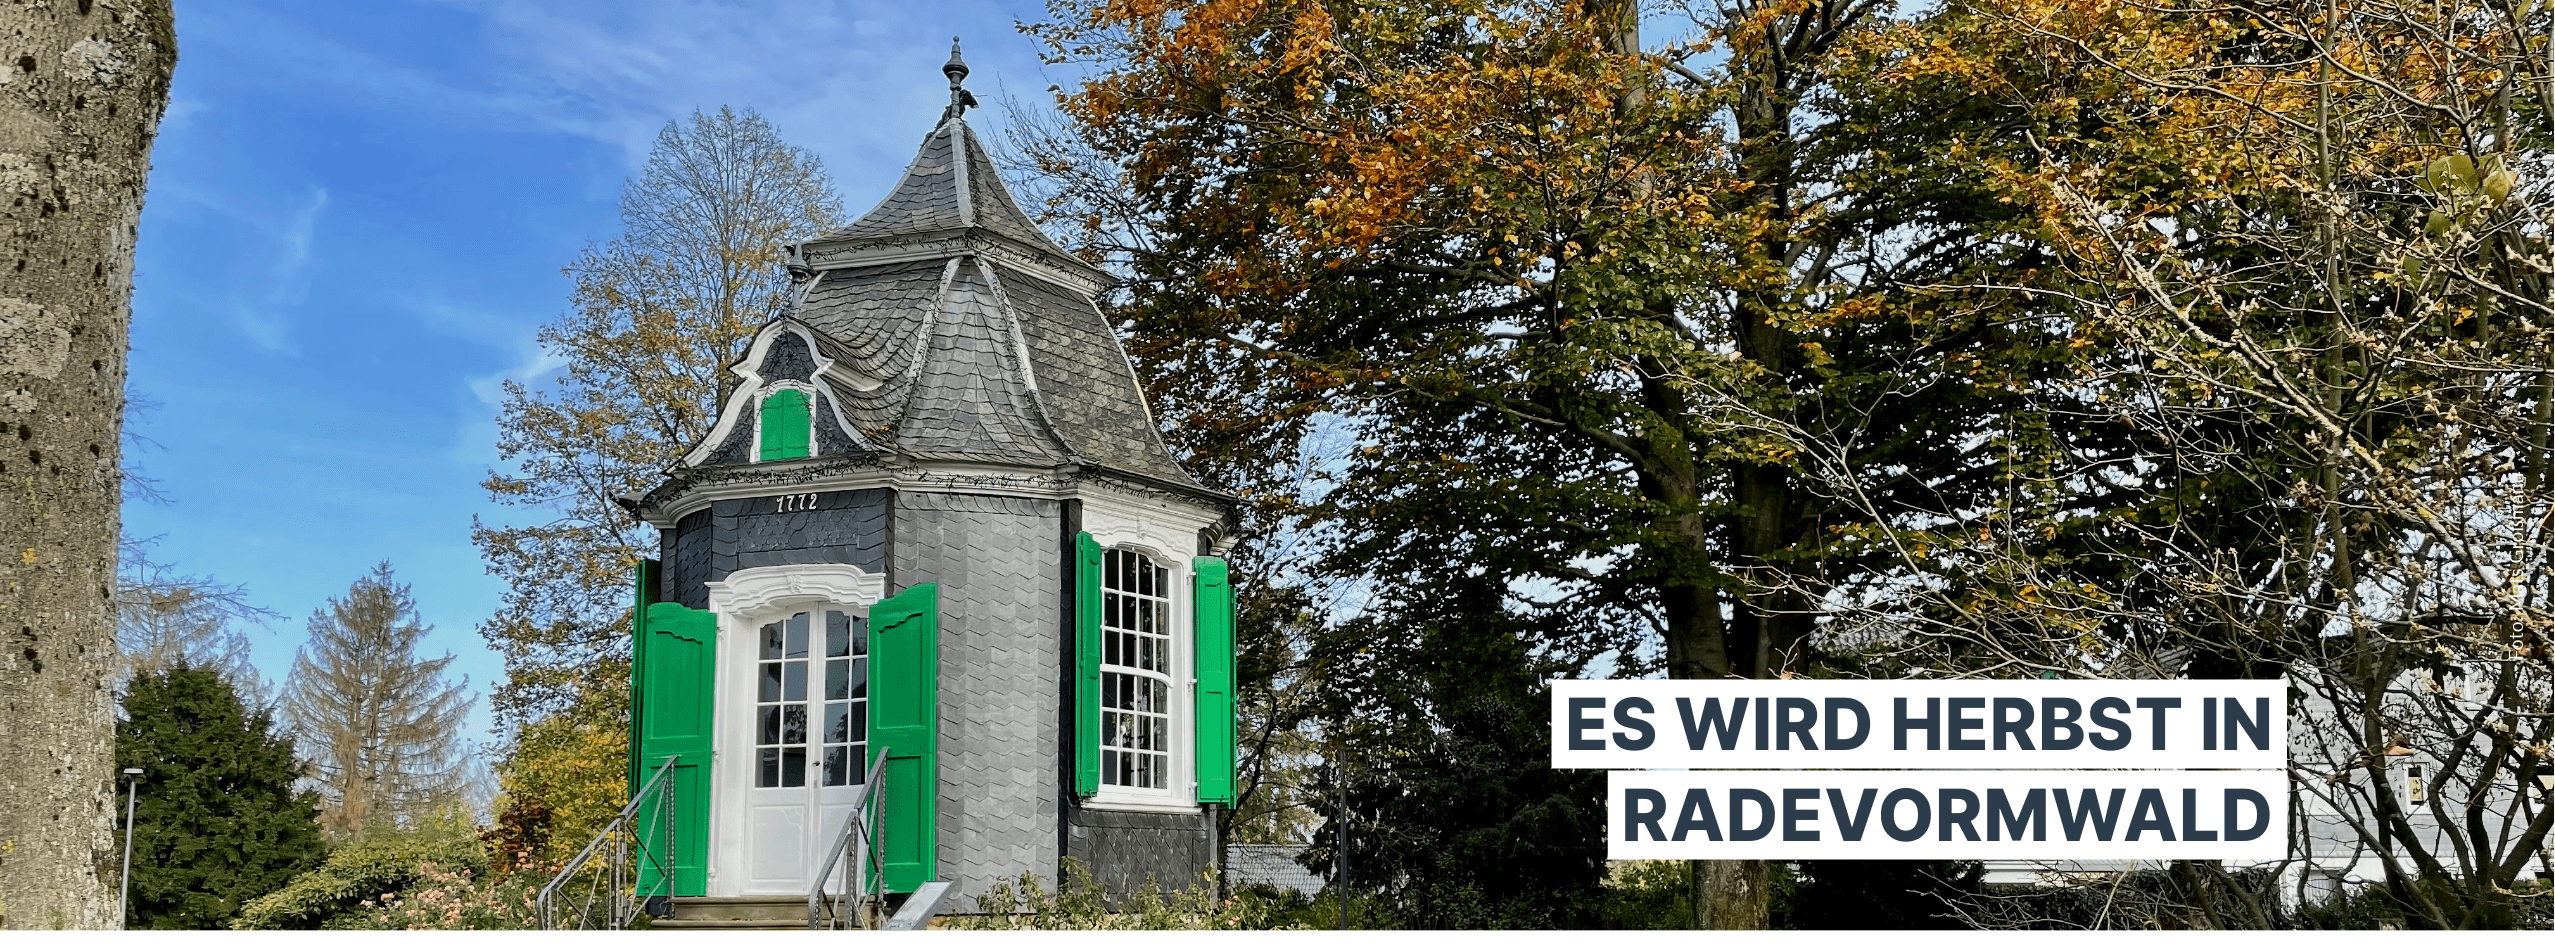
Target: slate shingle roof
1090,389
951,185
960,356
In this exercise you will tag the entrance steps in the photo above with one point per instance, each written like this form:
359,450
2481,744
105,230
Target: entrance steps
910,911
739,912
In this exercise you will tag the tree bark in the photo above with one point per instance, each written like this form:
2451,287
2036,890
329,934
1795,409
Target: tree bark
1730,894
82,86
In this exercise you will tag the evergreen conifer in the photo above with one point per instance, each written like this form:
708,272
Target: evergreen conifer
381,723
218,821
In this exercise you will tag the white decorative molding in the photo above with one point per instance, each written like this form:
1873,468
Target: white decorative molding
743,401
1164,529
863,252
1167,532
1109,799
1133,499
758,589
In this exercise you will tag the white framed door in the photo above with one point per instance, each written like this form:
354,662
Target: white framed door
803,699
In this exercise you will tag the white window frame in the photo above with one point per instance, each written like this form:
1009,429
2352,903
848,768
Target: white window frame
1168,632
1170,543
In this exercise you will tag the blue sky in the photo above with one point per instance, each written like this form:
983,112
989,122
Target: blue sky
356,219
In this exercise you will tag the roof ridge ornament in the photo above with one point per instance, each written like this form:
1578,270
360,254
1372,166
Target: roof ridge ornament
960,100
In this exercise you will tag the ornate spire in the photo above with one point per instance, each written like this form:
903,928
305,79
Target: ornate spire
960,100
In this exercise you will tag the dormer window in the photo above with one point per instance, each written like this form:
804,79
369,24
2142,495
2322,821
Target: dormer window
785,425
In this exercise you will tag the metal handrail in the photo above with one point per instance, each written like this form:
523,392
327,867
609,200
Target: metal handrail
857,842
605,887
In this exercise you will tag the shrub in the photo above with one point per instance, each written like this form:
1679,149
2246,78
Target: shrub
457,898
377,866
1648,894
1081,902
564,778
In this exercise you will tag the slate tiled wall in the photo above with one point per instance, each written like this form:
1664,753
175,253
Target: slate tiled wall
683,556
1123,849
848,527
995,561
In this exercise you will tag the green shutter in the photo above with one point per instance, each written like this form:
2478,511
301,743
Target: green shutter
674,676
904,723
1086,661
644,579
1215,680
785,425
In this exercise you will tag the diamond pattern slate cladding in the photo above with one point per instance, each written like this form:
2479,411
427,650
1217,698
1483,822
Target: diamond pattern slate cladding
738,448
970,401
1091,391
996,563
830,438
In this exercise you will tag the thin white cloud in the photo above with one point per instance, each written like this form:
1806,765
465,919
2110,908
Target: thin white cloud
267,320
512,336
474,440
181,114
857,83
490,388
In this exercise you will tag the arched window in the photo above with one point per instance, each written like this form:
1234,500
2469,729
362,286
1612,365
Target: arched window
785,425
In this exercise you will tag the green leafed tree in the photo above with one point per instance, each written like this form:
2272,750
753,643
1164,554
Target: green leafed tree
219,821
1555,267
1455,816
656,316
382,725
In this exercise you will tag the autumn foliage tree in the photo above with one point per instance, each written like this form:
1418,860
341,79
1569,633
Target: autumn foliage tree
1554,278
562,779
656,316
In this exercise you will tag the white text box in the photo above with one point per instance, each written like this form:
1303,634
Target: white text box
1946,815
1912,723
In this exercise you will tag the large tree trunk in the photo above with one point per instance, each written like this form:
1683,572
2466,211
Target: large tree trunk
1730,894
82,86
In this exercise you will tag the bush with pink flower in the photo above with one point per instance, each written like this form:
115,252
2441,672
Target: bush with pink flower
458,898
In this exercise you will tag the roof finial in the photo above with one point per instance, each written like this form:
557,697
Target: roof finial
960,100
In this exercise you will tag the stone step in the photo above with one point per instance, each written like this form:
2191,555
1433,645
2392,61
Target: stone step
741,909
733,925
